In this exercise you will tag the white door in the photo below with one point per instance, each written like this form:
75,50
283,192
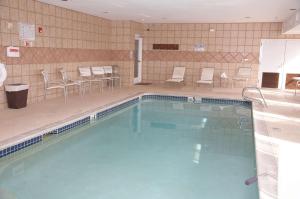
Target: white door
138,56
281,56
292,58
272,58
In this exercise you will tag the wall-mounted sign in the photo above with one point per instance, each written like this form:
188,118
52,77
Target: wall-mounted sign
199,47
12,51
26,32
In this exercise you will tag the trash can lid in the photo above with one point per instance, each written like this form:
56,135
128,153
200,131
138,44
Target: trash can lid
16,87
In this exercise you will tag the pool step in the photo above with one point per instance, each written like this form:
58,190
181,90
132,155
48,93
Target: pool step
245,123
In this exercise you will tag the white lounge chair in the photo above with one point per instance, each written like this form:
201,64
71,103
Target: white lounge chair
49,85
86,75
68,82
207,76
110,73
99,74
178,75
243,75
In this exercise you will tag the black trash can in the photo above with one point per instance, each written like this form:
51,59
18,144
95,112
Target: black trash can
16,95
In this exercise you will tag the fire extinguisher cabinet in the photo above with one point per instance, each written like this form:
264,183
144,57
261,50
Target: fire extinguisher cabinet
16,95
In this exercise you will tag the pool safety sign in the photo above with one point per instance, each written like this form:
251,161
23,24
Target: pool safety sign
26,32
12,51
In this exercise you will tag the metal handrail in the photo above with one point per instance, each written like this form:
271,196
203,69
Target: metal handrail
262,102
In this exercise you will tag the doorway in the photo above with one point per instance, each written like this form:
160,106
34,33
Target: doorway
279,63
138,57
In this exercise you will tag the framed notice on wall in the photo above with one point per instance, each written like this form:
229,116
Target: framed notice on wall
26,32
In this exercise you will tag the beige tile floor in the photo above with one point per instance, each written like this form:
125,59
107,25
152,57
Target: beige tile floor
277,128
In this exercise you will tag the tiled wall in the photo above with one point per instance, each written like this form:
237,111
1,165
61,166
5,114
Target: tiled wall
69,39
122,43
226,49
62,28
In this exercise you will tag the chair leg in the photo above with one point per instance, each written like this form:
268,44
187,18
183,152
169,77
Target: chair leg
100,86
296,87
65,94
112,84
80,90
45,94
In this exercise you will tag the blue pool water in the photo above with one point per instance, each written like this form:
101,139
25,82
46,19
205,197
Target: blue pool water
152,150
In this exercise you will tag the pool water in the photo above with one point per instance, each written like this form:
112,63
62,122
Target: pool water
152,150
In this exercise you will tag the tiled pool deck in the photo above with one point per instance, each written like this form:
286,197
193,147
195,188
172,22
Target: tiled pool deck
277,128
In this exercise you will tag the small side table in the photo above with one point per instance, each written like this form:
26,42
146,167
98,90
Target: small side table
224,80
297,79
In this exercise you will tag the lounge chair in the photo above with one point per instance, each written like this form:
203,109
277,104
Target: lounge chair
114,77
207,76
243,75
99,74
49,85
86,75
68,82
178,75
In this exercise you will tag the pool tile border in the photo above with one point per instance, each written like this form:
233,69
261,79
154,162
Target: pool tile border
67,127
165,97
116,108
226,101
22,145
108,111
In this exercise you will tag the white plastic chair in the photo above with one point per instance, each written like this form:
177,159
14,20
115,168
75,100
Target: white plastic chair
99,74
110,73
49,85
243,75
86,75
178,75
68,82
207,76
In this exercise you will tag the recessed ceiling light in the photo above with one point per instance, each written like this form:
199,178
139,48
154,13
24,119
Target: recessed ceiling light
143,19
118,5
144,15
247,17
212,30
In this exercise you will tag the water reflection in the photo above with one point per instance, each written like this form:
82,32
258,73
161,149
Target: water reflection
197,151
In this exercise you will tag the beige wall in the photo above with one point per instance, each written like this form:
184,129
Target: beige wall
69,39
122,41
226,48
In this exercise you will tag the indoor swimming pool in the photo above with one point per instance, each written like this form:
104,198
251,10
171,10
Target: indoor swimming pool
152,149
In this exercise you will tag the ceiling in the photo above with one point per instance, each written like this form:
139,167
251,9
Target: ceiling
185,11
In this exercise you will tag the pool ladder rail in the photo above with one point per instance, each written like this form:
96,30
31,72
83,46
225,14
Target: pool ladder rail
262,101
254,179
